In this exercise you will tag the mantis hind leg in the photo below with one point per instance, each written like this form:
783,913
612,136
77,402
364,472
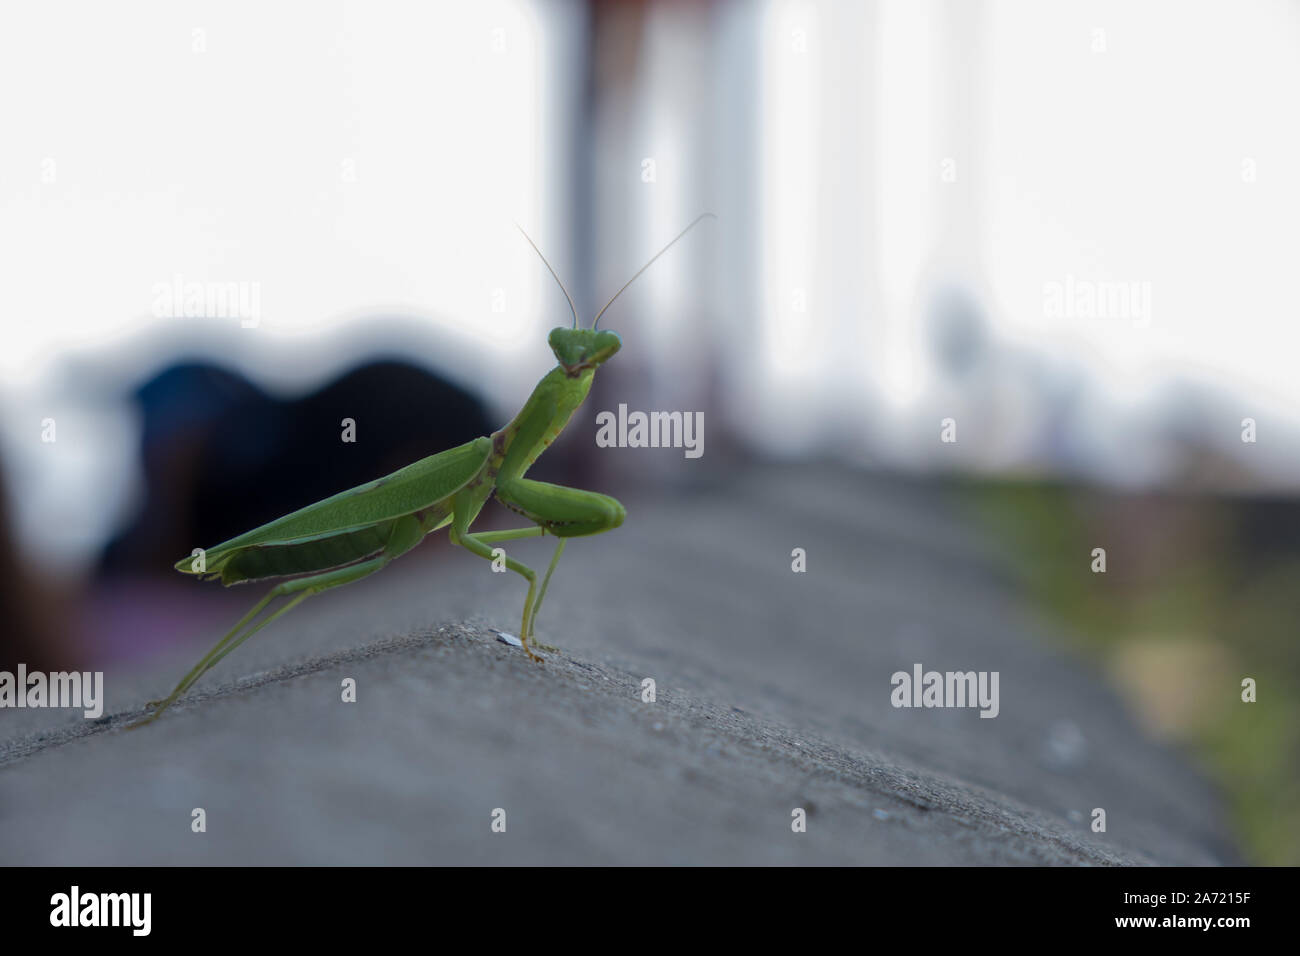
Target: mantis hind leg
406,534
222,648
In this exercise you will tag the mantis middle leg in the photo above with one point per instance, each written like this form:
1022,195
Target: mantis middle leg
561,511
477,543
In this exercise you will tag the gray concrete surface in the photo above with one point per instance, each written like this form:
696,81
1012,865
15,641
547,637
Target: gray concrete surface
773,693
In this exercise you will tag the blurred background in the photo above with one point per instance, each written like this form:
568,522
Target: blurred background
1069,227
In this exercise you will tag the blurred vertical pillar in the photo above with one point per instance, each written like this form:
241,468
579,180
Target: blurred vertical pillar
819,321
959,296
668,93
959,112
850,202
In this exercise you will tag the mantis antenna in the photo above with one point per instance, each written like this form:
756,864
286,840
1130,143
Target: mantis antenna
553,275
694,223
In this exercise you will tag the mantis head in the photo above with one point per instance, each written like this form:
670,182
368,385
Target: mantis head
578,349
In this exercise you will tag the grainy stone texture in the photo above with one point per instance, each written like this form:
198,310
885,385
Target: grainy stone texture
773,692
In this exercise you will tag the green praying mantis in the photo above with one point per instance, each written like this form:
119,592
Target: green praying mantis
357,532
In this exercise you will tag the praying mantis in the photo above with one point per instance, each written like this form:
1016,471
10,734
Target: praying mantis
358,532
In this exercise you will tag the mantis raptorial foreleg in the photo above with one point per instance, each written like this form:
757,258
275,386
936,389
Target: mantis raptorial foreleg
563,511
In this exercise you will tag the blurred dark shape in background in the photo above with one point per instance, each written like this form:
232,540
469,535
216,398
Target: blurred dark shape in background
32,627
220,456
